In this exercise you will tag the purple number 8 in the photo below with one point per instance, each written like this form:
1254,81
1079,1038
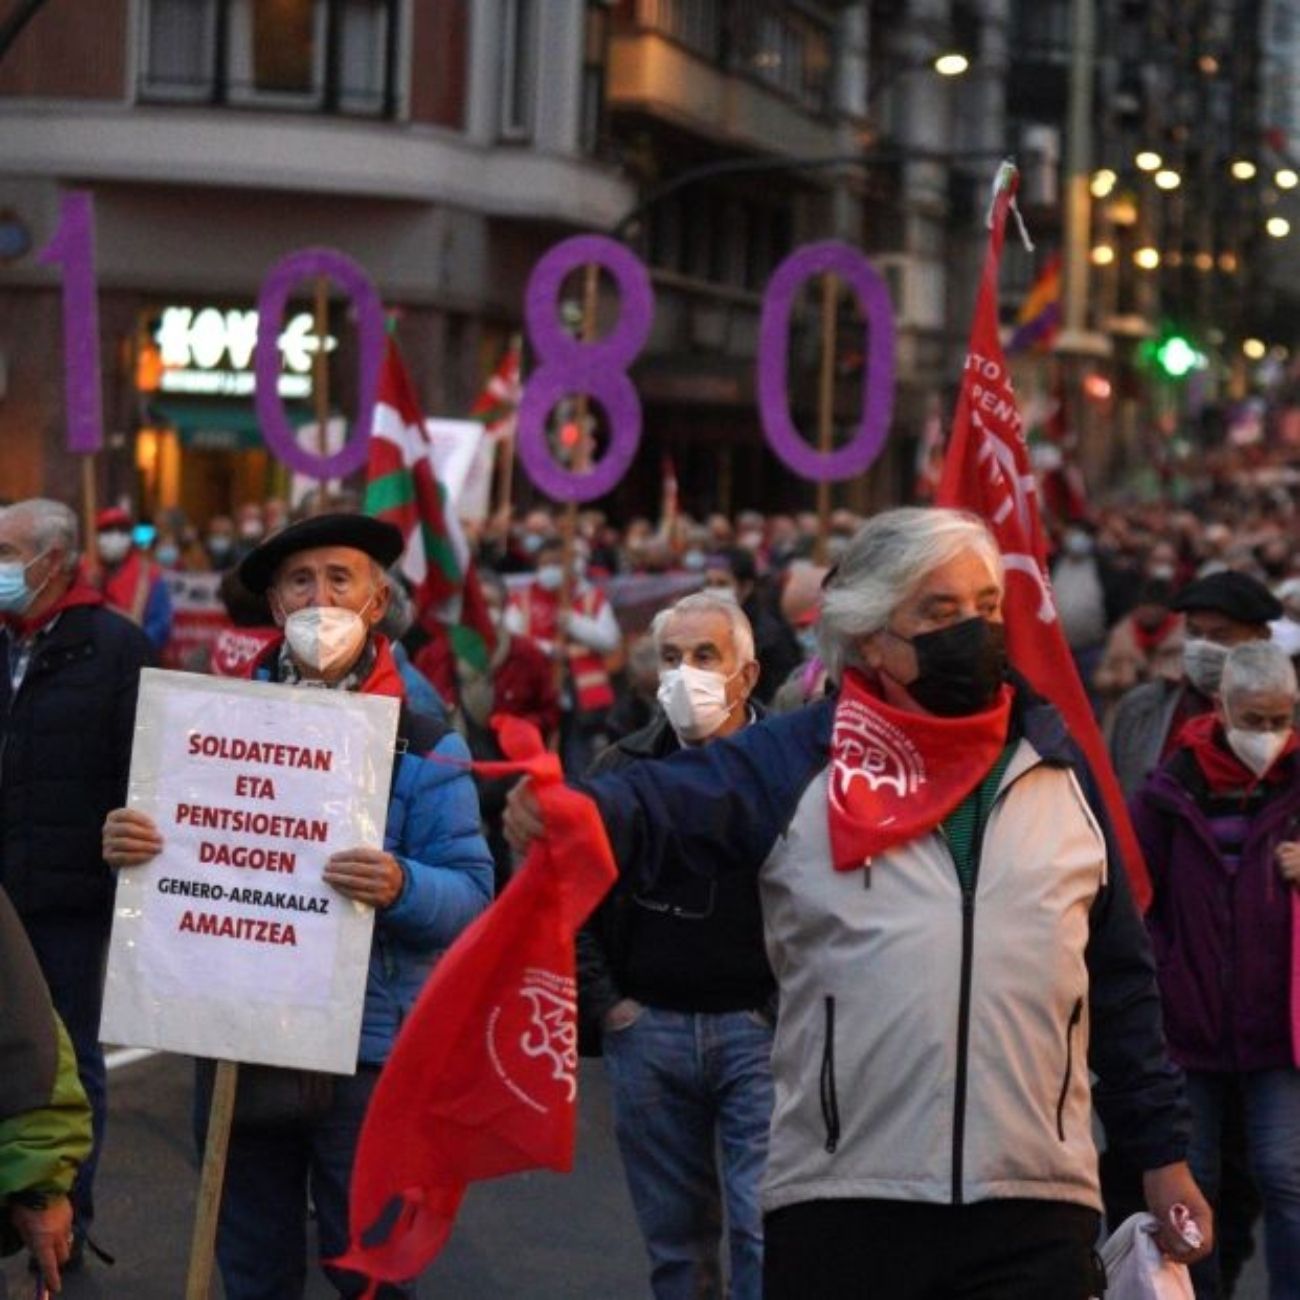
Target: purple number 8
280,281
570,365
839,259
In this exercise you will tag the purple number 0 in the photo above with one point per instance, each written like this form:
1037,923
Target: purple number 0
73,248
280,281
569,365
878,375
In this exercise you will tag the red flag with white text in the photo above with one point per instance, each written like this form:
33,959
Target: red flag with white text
987,471
483,1078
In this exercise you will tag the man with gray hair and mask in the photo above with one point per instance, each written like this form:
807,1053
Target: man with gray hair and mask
954,942
325,582
674,983
71,669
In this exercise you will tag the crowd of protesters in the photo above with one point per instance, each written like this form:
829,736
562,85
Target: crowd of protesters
1161,604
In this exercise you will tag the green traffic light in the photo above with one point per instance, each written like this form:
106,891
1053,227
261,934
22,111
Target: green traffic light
1176,357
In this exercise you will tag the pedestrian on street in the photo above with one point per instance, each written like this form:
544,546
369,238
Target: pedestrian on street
67,723
45,1130
326,583
953,939
674,982
1219,824
132,582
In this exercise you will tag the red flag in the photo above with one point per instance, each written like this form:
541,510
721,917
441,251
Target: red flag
987,471
483,1078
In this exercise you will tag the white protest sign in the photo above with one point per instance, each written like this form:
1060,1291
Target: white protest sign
463,456
229,944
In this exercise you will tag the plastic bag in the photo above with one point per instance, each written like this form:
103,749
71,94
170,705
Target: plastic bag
1135,1268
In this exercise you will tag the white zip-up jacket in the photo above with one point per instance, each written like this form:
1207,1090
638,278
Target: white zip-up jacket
933,1042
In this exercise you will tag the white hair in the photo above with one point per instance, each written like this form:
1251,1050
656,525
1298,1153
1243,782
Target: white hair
51,524
1255,666
703,602
887,558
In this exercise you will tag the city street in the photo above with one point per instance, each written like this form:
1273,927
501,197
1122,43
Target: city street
536,1236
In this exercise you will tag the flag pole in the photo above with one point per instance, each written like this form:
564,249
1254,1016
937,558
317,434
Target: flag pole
581,463
198,1282
826,407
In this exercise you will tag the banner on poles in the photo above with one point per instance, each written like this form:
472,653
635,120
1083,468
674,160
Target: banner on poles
228,944
197,618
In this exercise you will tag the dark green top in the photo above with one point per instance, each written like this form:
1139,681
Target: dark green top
965,824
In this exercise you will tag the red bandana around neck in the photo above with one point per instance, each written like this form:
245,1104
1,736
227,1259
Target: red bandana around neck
1224,772
896,775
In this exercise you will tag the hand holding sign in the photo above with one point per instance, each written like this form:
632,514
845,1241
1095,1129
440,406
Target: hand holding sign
366,875
130,838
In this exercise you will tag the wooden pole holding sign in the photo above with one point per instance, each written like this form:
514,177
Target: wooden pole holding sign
826,407
320,380
581,464
89,509
198,1281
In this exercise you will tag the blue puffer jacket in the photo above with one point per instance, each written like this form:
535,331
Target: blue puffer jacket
433,831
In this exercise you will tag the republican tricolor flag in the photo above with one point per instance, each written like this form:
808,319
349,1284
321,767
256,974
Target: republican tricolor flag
402,487
987,471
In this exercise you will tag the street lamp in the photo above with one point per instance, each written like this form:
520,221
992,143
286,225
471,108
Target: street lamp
1148,161
1243,169
1102,255
1167,179
1286,178
1103,183
1254,349
951,63
1147,258
1278,227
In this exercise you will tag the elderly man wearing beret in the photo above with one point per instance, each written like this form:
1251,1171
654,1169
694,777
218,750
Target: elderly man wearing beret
325,581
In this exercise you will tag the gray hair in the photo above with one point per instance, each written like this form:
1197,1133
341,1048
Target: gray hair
52,525
703,602
1257,666
400,614
884,562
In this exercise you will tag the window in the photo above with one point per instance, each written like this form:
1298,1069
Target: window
277,51
333,55
519,68
785,49
693,23
180,40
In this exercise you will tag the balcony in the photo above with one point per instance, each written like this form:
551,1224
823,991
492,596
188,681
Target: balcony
741,74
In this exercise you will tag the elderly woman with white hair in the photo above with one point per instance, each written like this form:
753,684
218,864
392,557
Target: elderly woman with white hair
1219,823
953,941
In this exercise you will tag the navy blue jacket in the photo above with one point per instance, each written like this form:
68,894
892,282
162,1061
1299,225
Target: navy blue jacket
65,755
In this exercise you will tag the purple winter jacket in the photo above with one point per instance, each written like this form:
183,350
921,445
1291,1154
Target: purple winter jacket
1222,940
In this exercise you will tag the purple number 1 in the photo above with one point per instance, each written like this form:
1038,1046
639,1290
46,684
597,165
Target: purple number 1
72,247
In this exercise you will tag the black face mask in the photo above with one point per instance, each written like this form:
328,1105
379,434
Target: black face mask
959,668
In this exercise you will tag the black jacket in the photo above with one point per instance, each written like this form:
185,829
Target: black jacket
65,754
735,965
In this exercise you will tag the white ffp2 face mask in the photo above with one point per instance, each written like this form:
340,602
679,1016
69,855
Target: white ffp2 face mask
1258,750
325,638
694,700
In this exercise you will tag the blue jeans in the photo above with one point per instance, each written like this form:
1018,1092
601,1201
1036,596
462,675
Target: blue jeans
71,952
262,1229
1272,1100
686,1089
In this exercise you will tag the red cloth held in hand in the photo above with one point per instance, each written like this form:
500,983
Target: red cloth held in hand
483,1078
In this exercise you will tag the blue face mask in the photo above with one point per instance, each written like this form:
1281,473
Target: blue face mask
167,555
15,594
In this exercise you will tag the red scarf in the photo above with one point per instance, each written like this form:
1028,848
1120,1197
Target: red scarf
1222,769
896,775
1150,639
80,593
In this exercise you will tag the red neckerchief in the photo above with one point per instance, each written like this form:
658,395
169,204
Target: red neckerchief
896,775
384,679
1147,641
1223,770
80,593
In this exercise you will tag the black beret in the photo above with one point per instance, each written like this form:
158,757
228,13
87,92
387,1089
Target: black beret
1237,596
377,539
